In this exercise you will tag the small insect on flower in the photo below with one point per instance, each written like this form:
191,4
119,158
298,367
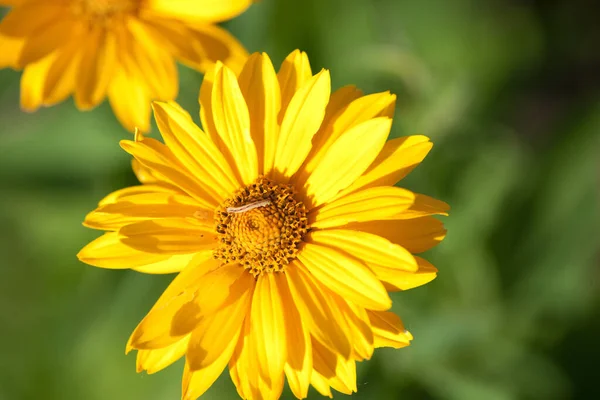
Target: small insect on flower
121,49
289,278
248,207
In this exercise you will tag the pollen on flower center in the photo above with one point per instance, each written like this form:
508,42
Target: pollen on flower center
104,8
261,227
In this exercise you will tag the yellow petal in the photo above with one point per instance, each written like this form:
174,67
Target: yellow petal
151,60
415,235
155,360
161,160
298,367
130,100
219,288
144,206
395,280
340,373
193,11
206,112
169,236
423,206
108,251
346,159
33,81
259,85
359,328
61,77
293,74
98,63
11,48
121,194
351,110
211,44
388,330
194,149
241,369
173,264
155,331
365,205
320,384
366,247
345,276
301,121
232,122
217,333
397,158
49,40
269,326
316,310
30,18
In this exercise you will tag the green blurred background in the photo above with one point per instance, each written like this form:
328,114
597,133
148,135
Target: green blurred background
509,91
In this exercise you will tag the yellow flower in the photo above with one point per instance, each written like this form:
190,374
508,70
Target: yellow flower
283,222
123,49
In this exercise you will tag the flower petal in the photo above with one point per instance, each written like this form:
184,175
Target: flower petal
397,158
220,288
169,236
60,80
11,48
155,331
161,160
366,205
415,235
346,159
359,327
260,87
194,149
144,206
301,121
32,83
98,62
366,247
232,121
47,41
351,110
192,11
316,309
293,74
423,206
38,15
340,373
345,276
388,330
395,280
156,360
218,333
154,63
130,100
120,194
268,326
211,44
108,251
298,367
173,264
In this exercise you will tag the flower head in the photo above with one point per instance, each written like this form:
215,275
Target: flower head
123,49
283,222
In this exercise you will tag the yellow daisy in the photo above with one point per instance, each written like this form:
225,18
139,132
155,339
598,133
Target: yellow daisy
123,49
283,222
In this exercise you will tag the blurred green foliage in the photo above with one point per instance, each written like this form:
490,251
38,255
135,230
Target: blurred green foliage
509,91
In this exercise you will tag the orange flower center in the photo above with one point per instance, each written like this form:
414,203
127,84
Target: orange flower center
261,227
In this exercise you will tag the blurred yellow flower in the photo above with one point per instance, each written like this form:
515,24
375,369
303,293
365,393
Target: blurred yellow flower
123,49
283,222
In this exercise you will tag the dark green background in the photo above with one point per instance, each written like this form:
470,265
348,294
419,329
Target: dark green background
509,93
